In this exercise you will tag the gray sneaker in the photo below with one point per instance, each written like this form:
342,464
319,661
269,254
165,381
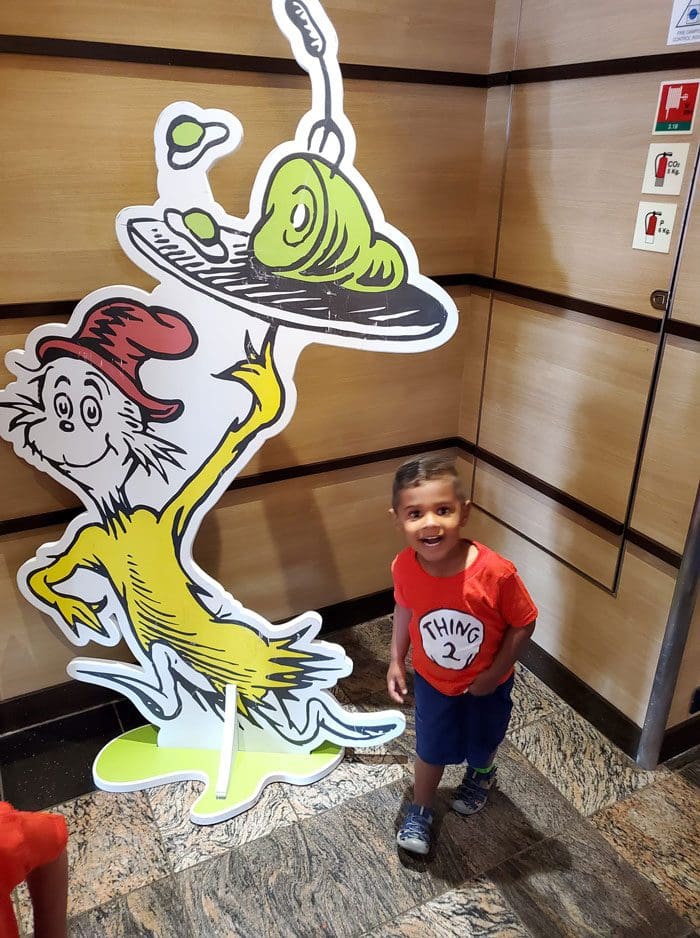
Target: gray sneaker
473,791
414,834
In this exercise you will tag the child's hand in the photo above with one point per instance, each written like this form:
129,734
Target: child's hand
483,684
396,681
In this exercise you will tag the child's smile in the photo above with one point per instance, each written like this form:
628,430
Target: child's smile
431,517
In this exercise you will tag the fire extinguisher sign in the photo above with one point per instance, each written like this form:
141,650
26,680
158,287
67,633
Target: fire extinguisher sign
675,112
666,162
654,226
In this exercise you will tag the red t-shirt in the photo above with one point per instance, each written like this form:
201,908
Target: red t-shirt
27,841
458,622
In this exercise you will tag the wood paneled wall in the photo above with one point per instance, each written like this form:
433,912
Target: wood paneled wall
68,170
535,184
573,181
556,33
452,35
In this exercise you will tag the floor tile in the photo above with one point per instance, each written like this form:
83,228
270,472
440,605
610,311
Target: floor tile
403,748
337,874
154,911
575,885
350,780
475,910
51,763
657,831
188,843
113,848
586,768
369,640
523,809
691,773
532,699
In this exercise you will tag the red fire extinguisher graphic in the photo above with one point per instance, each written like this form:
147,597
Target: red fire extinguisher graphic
660,168
650,222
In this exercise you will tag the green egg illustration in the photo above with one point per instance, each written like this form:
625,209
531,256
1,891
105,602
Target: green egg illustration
315,228
201,225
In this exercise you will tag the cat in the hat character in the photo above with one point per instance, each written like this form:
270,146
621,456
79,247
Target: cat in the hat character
83,412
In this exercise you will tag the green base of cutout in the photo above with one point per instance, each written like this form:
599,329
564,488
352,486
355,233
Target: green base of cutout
134,761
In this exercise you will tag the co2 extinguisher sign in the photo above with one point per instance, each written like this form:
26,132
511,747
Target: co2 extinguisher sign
665,166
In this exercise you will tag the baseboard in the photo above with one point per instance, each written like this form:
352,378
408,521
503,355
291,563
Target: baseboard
680,739
589,703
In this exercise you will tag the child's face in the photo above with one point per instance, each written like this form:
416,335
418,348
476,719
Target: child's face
431,515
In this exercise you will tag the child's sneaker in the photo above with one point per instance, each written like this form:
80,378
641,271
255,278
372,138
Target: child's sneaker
473,791
414,834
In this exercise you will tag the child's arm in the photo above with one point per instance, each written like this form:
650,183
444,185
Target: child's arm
514,642
396,675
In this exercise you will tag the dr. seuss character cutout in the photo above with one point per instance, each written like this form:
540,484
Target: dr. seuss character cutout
147,405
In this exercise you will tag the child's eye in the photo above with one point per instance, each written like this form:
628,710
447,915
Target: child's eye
444,510
413,515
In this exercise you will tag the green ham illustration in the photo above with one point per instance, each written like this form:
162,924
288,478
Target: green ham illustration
315,228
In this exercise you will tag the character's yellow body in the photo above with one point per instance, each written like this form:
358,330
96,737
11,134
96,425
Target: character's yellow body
138,552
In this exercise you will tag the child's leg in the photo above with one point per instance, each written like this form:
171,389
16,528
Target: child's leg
427,779
487,723
48,887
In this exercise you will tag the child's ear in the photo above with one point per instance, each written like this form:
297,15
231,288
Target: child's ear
466,508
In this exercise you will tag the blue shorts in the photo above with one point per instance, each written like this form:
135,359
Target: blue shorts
450,730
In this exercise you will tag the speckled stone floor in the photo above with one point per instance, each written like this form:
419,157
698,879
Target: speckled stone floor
575,841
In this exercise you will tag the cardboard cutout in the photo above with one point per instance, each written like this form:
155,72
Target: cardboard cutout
147,405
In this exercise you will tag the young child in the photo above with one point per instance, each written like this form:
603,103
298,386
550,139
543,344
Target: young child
468,616
33,847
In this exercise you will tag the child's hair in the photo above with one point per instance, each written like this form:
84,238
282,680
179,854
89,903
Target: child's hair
423,469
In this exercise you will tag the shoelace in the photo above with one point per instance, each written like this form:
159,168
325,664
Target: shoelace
471,792
415,825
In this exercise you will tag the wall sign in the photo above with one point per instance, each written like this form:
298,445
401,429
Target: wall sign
147,405
666,162
654,226
684,25
675,111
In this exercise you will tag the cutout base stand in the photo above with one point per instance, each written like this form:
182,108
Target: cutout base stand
134,761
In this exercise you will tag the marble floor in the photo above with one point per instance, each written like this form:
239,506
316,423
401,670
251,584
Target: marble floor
575,841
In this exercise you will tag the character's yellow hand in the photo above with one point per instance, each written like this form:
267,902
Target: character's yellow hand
259,374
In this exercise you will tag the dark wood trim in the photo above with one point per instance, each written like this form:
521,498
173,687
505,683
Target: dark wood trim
611,722
193,58
562,498
45,309
227,61
606,522
625,317
66,515
655,548
342,462
48,308
633,65
46,519
686,330
680,739
356,611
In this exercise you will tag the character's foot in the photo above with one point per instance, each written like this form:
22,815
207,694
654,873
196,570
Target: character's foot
473,791
414,834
